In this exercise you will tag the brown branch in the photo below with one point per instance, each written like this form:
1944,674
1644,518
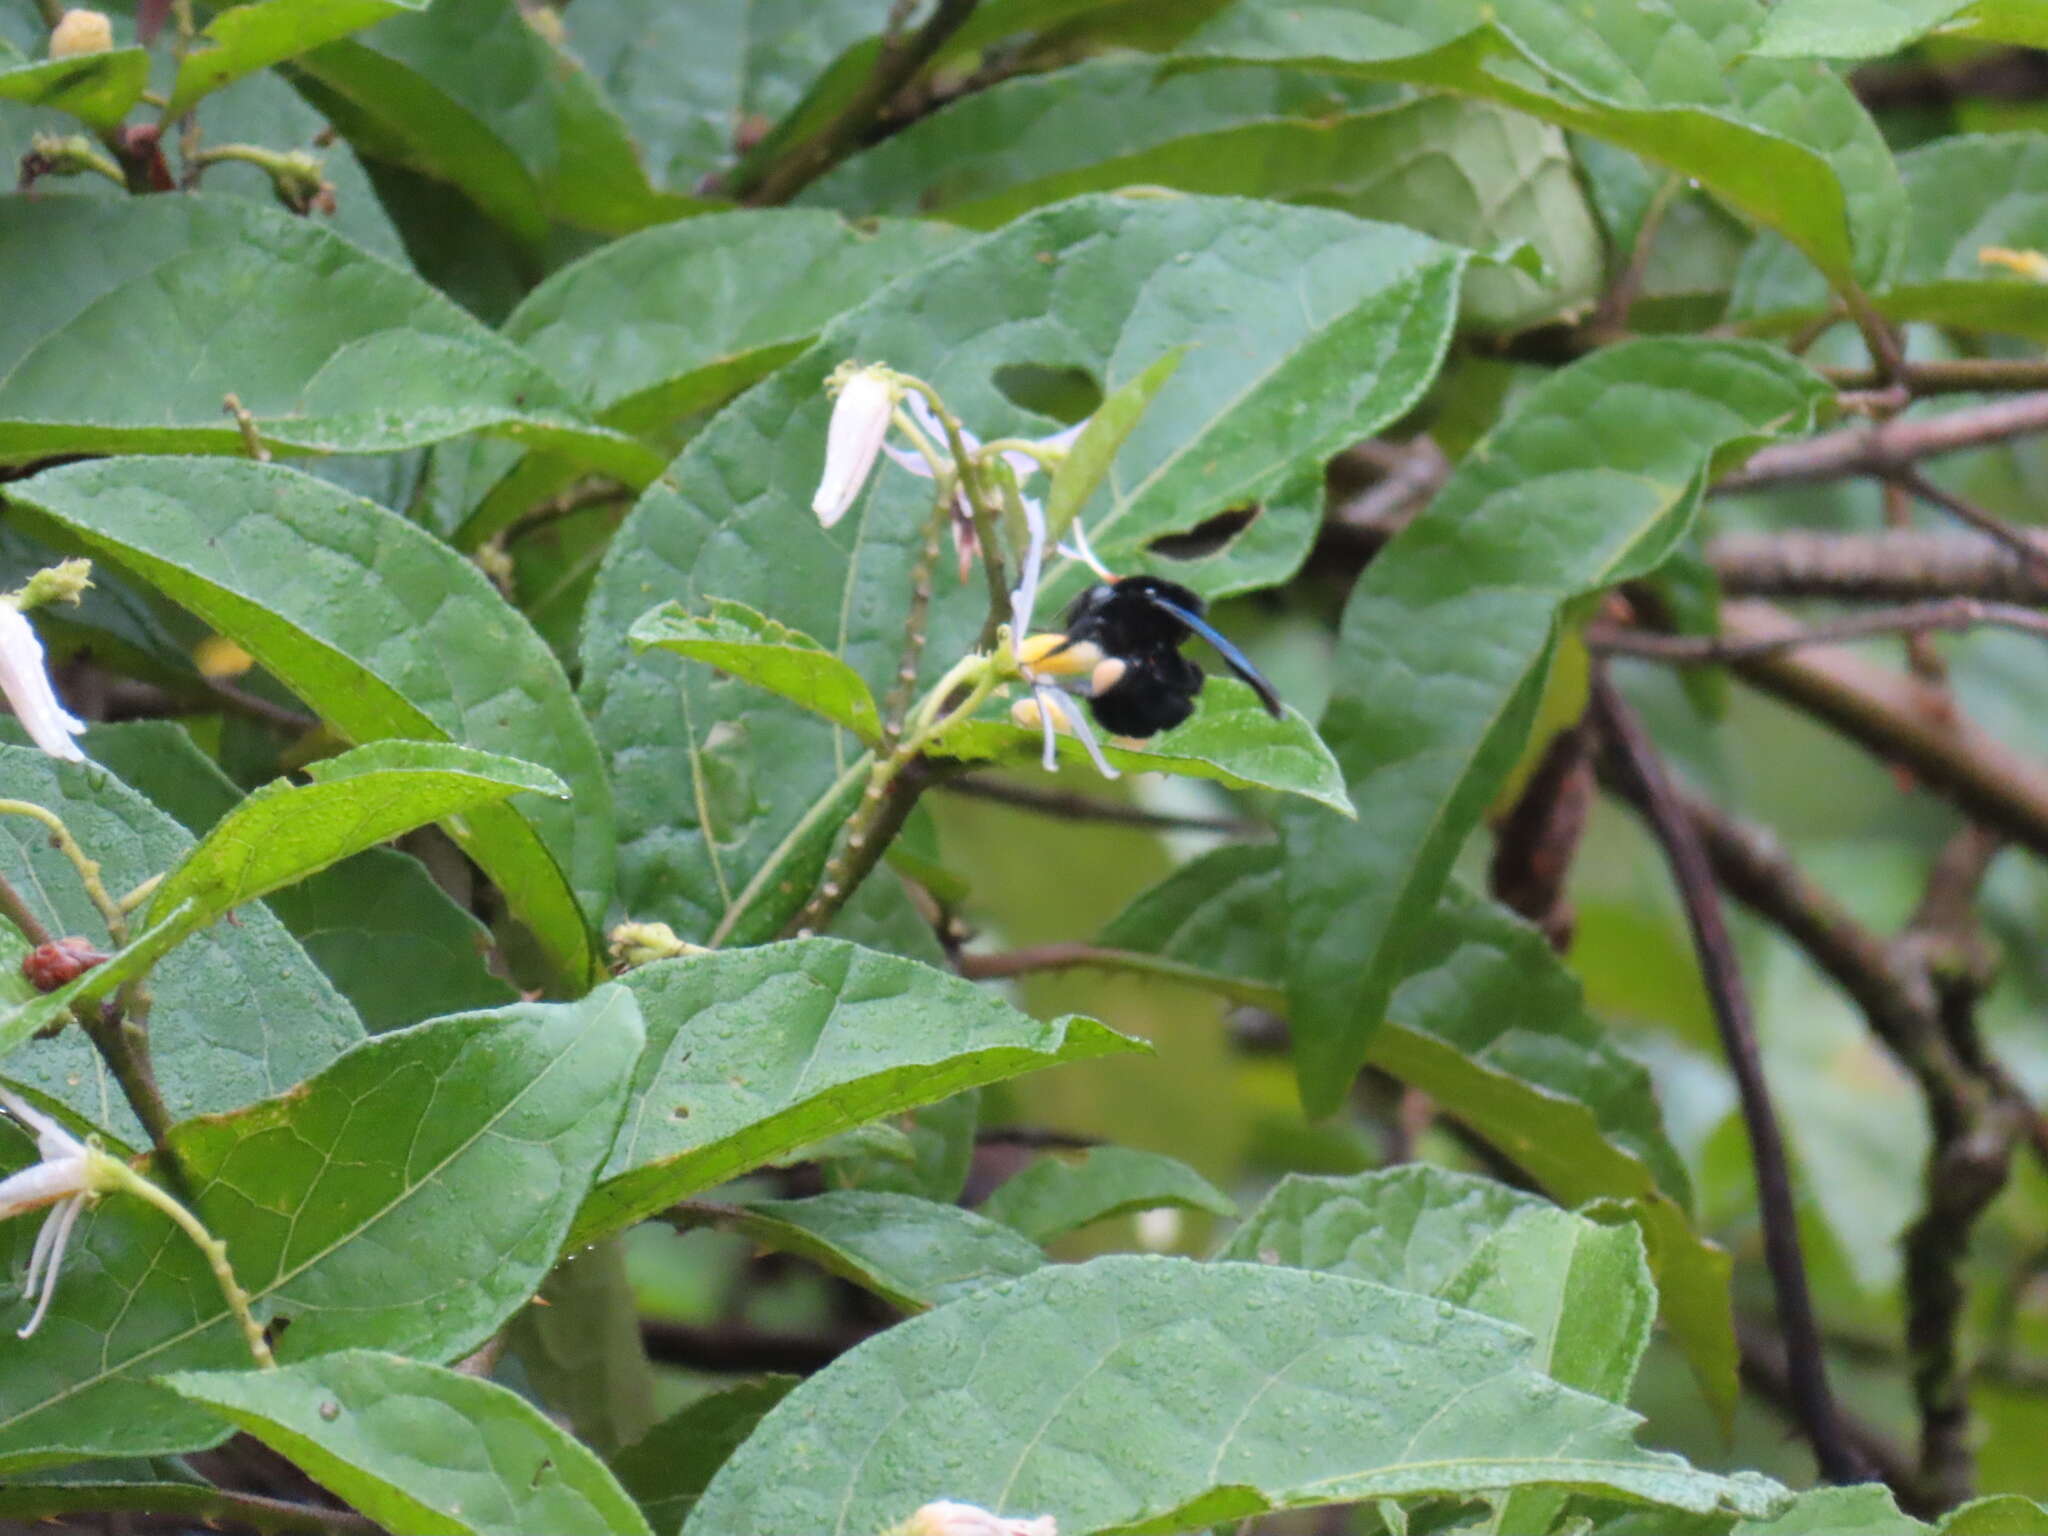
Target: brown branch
739,1349
1902,721
1765,1373
1965,376
185,1503
1070,806
1958,613
1876,567
1639,766
898,65
16,910
1536,841
1888,447
1965,510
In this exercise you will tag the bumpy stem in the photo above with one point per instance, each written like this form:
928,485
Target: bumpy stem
118,1175
88,869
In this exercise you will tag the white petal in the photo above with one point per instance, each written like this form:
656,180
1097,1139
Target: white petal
1025,465
1024,597
935,429
946,1518
26,683
40,1183
52,1140
64,1218
860,420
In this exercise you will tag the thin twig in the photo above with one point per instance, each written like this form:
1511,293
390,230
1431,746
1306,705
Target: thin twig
1960,613
1895,567
1722,973
1963,376
898,65
1889,447
1041,958
1765,1373
16,911
186,1503
88,869
1965,510
1069,806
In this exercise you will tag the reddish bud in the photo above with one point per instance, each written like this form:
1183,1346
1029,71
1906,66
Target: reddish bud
50,966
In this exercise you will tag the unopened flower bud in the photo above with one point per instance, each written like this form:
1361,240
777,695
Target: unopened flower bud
80,32
26,683
946,1518
860,420
50,966
637,944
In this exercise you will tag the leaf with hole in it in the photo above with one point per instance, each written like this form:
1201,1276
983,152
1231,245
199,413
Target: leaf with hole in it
530,139
417,1447
1492,1027
239,1010
1159,1395
1089,457
1823,29
1059,1193
1448,639
754,648
96,88
1303,329
668,1468
1969,194
284,832
1786,143
246,38
1469,172
913,1253
130,320
755,1052
1229,739
382,629
464,1143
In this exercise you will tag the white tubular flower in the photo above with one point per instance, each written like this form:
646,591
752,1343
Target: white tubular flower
63,1180
946,1518
25,680
860,420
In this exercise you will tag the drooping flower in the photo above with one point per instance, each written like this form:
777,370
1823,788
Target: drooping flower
25,680
946,1518
860,420
63,1179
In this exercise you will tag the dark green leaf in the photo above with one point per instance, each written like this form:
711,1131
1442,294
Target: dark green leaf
754,648
1786,143
98,88
912,1253
240,1011
1058,1193
667,1470
246,38
1352,317
1159,1395
1449,635
382,629
132,319
284,832
753,1053
464,1144
420,1448
579,1346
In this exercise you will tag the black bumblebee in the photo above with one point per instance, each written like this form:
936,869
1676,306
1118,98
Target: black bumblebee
1143,684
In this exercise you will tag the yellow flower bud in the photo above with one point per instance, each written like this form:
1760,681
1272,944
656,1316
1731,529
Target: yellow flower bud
80,32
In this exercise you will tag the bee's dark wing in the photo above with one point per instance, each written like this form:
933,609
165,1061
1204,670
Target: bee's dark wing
1235,659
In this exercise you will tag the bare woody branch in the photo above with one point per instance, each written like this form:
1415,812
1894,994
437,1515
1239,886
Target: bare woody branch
1899,567
1888,447
1954,615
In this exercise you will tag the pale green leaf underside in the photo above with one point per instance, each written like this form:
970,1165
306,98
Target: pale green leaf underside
97,88
1160,1395
246,38
1060,1193
756,649
420,1448
1827,29
1785,142
383,630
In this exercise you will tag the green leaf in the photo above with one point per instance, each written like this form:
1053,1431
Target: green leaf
1449,635
1159,1395
578,1345
1866,1509
1230,738
2001,1515
284,832
668,1469
97,88
1786,143
1058,1194
1968,193
1091,454
1490,1025
1347,316
468,92
420,1448
913,1253
382,629
756,649
1822,29
239,1011
391,940
465,1144
755,1052
246,38
1468,172
135,317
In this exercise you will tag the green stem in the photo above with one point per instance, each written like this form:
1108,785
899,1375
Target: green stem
88,869
118,1175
